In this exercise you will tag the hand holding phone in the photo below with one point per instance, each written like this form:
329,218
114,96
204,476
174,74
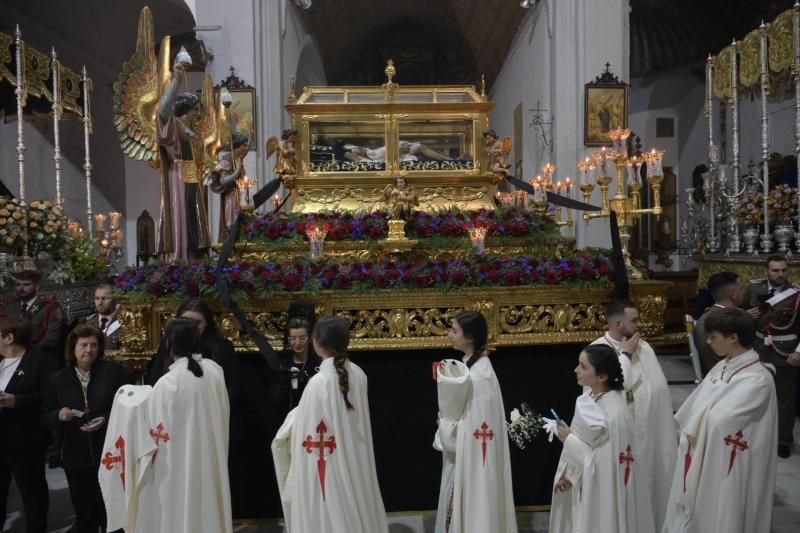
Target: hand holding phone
558,418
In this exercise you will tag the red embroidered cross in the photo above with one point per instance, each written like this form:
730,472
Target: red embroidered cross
320,445
158,433
737,443
627,458
483,432
110,460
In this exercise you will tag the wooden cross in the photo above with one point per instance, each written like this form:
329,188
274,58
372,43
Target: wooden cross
310,444
110,460
483,432
627,458
737,443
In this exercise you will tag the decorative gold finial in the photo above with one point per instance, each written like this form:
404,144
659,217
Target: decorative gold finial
390,86
292,97
483,87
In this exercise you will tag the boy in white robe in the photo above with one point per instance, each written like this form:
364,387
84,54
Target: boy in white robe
476,494
724,477
324,460
649,401
599,486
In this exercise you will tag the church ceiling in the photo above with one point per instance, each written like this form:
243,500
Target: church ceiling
455,41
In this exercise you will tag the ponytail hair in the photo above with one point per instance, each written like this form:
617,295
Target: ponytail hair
333,334
474,326
183,340
605,360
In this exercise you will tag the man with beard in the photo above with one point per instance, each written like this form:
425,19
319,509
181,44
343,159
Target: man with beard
648,399
105,315
772,302
45,315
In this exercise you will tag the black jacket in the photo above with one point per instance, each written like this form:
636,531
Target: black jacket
81,449
19,426
219,350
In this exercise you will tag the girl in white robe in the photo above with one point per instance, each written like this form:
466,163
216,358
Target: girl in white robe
324,460
725,473
599,486
475,494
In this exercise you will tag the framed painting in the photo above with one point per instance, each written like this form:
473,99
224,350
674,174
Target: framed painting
243,109
605,108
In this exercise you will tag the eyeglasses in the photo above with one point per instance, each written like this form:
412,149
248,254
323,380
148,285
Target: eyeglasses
292,340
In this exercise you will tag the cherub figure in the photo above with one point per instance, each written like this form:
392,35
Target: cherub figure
401,197
285,166
499,152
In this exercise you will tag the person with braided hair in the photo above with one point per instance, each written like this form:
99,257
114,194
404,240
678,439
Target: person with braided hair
475,493
324,459
599,484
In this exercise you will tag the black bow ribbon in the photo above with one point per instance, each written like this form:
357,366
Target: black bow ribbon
622,288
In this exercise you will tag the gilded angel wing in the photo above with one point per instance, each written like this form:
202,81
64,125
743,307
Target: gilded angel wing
136,94
212,126
507,144
272,145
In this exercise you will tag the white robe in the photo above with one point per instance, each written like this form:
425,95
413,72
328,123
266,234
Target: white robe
653,420
720,490
126,455
185,488
324,460
476,494
600,458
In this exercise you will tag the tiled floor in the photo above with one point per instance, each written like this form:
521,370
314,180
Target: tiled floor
786,512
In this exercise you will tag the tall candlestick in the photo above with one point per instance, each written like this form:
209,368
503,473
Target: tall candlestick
56,108
766,237
734,244
709,107
87,161
20,93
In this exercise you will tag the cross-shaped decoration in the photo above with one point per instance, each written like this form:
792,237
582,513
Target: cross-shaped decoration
737,443
484,433
310,444
110,460
159,434
627,458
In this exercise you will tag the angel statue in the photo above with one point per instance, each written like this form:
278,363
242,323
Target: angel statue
178,131
224,180
498,155
285,166
401,197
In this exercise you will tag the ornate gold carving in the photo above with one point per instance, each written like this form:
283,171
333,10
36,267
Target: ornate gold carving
431,193
37,72
134,328
779,36
558,318
651,312
6,41
749,59
473,193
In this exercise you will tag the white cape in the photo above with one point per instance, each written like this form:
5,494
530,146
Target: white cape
653,420
126,455
716,487
186,489
476,494
324,460
600,458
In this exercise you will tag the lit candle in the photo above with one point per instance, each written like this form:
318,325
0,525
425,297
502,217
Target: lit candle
115,218
118,239
568,187
100,218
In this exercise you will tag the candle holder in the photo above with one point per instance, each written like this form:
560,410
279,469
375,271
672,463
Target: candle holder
316,236
246,188
505,199
110,239
477,234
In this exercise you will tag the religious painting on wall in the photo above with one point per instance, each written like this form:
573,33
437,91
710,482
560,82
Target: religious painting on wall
605,108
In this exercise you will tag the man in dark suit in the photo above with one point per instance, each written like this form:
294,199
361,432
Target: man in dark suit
727,293
105,315
771,301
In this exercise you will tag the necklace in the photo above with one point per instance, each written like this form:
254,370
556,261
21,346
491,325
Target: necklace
722,377
596,397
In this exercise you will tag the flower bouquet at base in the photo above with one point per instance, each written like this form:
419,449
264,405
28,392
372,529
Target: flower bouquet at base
524,425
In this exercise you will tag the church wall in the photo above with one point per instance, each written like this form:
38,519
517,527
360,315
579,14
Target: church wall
559,47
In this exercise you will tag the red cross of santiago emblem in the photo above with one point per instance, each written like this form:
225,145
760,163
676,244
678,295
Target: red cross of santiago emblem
483,433
159,435
110,460
737,443
626,457
310,444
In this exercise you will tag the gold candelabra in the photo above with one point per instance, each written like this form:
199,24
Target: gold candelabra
625,204
111,239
